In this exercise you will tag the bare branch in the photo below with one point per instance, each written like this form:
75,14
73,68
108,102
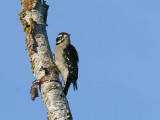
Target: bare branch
33,18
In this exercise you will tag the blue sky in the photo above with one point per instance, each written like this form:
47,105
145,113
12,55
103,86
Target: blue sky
119,69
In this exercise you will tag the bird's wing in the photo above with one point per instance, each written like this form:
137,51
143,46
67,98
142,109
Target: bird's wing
71,58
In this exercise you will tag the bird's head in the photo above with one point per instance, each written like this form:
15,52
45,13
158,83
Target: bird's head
63,38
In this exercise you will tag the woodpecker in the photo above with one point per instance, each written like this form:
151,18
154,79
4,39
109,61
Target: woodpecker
66,60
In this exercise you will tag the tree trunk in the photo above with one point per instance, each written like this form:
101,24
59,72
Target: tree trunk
33,18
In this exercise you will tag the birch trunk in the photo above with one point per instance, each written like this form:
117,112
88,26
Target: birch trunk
33,18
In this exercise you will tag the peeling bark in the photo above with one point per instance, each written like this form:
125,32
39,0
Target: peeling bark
33,18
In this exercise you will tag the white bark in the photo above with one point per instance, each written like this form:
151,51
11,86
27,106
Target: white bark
33,18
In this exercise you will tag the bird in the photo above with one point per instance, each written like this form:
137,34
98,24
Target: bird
66,60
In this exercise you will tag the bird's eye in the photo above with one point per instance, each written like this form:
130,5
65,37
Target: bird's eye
59,38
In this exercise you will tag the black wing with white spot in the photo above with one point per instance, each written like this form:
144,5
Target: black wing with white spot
71,59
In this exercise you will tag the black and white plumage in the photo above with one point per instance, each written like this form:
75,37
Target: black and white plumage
66,59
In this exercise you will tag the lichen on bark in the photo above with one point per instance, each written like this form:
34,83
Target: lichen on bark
33,18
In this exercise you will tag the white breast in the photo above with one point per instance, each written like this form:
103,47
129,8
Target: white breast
60,63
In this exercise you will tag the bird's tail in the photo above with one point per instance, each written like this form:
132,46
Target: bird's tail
67,85
74,85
